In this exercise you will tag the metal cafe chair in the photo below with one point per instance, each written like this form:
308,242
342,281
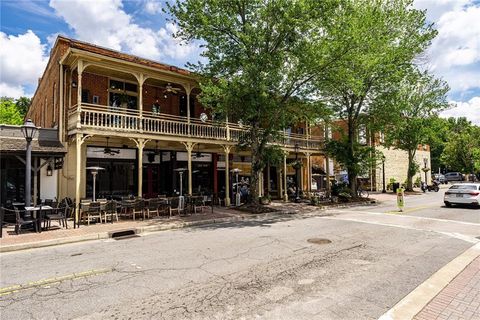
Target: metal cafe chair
152,207
139,208
111,210
174,205
93,211
59,214
23,218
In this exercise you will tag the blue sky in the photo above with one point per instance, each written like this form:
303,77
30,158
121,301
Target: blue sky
28,30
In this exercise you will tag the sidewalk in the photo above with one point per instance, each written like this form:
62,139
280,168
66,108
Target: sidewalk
55,236
460,299
451,293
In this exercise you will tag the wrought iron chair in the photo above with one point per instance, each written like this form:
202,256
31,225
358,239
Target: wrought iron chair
138,208
59,214
111,210
94,212
153,206
23,218
174,205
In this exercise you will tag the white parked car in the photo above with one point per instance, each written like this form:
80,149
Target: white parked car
463,193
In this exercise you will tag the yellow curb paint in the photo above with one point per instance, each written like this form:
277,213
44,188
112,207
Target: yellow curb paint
43,282
411,209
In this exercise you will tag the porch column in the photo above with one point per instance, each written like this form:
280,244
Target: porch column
227,175
79,92
140,79
61,104
140,145
188,90
35,181
79,140
260,184
189,146
285,195
309,172
302,175
215,173
280,182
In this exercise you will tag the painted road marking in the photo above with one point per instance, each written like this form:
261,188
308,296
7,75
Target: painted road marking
44,282
410,210
411,217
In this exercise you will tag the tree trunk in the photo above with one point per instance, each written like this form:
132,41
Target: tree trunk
351,170
410,170
256,167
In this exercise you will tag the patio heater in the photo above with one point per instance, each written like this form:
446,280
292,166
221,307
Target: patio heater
383,173
297,195
28,130
236,171
94,171
181,198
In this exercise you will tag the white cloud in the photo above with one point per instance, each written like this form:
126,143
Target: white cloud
455,52
470,110
436,8
106,23
153,6
22,61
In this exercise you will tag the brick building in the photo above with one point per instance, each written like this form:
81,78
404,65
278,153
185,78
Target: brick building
141,120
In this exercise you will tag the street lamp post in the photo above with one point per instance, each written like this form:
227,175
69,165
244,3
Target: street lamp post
383,173
425,160
28,130
297,195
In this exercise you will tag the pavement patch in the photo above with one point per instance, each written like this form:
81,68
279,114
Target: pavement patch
48,281
319,241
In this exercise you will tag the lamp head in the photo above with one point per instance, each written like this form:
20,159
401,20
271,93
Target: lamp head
28,130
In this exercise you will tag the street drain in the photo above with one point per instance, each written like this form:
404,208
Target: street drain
319,241
124,234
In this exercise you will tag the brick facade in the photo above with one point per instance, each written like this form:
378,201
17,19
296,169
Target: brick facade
44,109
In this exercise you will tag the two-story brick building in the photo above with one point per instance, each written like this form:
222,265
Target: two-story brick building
141,120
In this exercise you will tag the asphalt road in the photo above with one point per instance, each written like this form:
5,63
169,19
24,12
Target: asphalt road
266,269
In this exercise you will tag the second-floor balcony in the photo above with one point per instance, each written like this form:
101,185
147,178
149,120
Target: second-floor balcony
122,120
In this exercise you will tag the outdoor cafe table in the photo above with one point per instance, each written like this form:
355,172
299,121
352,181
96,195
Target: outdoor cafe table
34,210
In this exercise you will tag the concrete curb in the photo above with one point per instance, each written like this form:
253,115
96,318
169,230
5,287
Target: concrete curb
171,226
415,301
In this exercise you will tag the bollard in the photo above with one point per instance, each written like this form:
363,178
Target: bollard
400,199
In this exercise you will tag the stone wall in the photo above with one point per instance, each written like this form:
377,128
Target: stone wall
396,166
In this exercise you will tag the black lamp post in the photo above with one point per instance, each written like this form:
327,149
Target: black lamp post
297,195
383,173
28,130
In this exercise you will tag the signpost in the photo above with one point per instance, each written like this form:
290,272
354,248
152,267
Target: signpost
400,199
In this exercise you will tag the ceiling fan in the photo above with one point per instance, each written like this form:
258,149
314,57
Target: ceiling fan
156,151
198,154
170,89
108,150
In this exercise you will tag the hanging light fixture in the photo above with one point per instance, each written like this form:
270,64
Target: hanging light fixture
49,170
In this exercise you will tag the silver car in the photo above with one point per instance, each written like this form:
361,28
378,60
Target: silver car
463,193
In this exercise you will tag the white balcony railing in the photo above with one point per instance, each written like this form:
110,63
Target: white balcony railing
120,119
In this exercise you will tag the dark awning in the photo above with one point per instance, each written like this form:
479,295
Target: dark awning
45,142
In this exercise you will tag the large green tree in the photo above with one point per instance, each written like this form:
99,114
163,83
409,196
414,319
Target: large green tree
258,67
384,38
462,148
13,111
417,98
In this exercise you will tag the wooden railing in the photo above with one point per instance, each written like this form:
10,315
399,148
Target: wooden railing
120,119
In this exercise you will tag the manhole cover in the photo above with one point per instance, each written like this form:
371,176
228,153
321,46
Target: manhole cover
319,241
